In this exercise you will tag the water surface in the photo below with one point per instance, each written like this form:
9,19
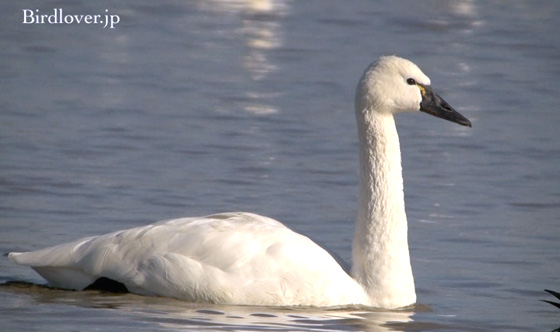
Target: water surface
196,107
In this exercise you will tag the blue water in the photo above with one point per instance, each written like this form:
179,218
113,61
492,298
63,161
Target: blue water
195,107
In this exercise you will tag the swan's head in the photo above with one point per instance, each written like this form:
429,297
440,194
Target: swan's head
393,85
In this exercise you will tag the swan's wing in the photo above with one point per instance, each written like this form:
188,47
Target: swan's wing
224,258
121,253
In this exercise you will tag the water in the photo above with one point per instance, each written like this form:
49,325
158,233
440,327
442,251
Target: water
195,107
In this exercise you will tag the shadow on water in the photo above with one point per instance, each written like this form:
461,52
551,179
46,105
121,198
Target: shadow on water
166,313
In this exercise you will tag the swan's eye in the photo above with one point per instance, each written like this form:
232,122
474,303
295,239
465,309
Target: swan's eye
411,81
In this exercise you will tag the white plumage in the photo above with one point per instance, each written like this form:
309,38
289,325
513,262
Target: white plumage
243,258
237,258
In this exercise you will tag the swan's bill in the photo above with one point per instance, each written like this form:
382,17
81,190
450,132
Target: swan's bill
433,104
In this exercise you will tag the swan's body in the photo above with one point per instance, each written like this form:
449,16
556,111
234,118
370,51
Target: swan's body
243,258
238,258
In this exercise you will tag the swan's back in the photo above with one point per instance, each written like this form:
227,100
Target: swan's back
223,258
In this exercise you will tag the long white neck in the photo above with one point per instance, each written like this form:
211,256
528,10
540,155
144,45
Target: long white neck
381,259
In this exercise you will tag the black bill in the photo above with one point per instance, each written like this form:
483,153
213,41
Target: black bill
436,106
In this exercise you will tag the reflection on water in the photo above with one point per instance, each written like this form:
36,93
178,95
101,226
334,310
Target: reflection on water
259,34
175,314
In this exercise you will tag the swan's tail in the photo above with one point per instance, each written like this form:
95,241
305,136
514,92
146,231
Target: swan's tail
56,264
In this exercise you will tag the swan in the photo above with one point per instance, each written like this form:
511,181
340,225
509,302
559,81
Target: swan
247,259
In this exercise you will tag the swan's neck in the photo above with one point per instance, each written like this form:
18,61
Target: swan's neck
381,260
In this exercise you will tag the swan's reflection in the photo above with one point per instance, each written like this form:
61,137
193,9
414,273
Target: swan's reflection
174,314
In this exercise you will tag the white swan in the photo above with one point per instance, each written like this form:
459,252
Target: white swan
243,258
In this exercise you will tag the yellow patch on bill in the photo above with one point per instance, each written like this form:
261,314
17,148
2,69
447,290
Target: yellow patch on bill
422,89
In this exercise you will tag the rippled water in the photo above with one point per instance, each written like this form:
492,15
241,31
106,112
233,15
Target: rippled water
195,107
